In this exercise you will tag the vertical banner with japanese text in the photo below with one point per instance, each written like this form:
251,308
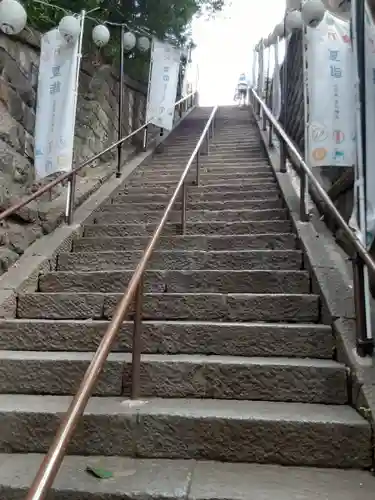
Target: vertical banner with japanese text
56,104
165,63
330,86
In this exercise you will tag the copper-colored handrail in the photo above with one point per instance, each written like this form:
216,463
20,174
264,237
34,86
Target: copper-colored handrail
52,461
364,339
69,175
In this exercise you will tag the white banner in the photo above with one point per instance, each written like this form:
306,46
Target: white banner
331,104
56,105
276,84
165,63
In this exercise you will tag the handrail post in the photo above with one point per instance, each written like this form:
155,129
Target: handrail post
137,342
197,178
145,139
264,122
183,209
363,345
302,200
70,199
282,156
270,135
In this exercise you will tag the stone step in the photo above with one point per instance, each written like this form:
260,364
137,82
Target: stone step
178,376
183,259
204,228
284,308
153,170
228,215
204,182
271,203
139,478
173,337
209,178
264,185
255,193
227,158
235,431
178,281
209,243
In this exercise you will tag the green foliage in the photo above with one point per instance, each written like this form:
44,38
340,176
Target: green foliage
164,18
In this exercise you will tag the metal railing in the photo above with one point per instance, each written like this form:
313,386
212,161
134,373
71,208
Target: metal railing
361,257
134,293
187,102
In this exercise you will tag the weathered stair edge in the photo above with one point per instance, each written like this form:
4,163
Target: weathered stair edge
41,255
331,279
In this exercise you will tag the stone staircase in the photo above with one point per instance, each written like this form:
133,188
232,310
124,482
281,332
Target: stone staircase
238,376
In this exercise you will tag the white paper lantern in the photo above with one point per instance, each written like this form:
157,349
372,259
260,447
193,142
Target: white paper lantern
129,41
70,28
313,13
143,44
279,30
293,4
13,17
100,35
293,20
272,39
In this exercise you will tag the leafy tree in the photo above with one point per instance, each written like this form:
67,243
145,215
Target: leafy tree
166,19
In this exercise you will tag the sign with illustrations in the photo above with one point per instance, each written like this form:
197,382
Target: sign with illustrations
330,94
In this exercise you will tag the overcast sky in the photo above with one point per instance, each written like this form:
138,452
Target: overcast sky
225,45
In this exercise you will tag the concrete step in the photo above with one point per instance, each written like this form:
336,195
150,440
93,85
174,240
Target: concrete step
183,259
264,185
173,337
285,308
236,431
228,215
204,228
178,281
134,479
178,376
271,203
255,193
271,241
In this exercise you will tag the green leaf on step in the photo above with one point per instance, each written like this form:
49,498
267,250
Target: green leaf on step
99,473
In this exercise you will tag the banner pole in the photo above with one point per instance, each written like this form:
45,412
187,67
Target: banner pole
72,181
305,109
120,101
362,290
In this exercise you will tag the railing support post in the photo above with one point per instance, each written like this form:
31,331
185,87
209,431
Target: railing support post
183,209
145,139
270,136
197,179
365,346
70,199
264,121
302,200
137,342
282,156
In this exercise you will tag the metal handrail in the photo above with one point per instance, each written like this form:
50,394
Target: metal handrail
365,343
52,461
70,175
